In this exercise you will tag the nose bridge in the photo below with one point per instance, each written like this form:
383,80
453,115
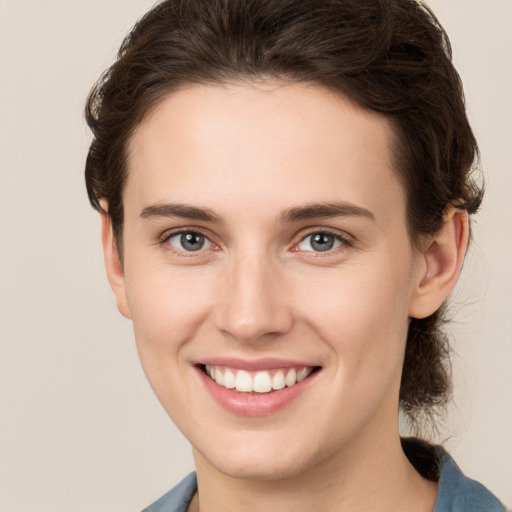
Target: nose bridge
251,304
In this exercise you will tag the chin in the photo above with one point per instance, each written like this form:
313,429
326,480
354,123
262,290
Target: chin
259,470
262,462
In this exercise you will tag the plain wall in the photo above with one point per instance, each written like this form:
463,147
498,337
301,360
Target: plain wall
79,427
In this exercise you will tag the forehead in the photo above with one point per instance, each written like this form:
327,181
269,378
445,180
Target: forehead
268,142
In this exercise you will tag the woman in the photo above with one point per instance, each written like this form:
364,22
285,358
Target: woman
284,190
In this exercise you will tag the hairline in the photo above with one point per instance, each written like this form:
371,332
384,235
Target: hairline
395,142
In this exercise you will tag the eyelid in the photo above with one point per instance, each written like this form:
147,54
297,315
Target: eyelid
180,235
164,238
345,239
168,233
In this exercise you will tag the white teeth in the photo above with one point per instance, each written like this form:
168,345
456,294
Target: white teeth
303,373
229,379
219,377
291,378
262,382
243,381
278,380
259,382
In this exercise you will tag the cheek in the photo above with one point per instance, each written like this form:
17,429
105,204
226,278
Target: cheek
167,307
361,312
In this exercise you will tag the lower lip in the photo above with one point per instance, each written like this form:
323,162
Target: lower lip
246,404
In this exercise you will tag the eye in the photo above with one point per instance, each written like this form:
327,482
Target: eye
189,241
320,242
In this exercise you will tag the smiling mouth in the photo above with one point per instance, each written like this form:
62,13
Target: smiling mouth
262,381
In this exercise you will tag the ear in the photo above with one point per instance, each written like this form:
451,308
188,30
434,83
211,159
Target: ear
113,263
439,263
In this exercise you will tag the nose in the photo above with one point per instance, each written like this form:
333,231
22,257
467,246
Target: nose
251,301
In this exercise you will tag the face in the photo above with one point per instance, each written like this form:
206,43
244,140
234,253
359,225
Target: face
266,249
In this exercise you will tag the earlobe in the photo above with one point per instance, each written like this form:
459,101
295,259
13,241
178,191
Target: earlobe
440,263
113,264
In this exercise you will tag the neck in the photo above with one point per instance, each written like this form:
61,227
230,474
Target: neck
369,475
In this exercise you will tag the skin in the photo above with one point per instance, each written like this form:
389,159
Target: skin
248,153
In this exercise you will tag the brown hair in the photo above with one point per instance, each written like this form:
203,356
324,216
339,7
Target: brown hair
389,56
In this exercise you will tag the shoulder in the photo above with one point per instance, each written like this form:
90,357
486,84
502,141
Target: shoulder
178,498
458,493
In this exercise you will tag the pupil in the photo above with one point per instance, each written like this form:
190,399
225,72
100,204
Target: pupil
192,241
322,242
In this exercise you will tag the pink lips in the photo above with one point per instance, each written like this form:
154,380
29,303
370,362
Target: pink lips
253,404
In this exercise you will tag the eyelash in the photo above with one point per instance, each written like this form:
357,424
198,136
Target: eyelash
345,242
164,241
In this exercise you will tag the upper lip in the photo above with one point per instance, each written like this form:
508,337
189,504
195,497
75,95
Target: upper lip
255,364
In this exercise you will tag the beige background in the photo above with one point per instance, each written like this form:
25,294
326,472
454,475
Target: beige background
79,428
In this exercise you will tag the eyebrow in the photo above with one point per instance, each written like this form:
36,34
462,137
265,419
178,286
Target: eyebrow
183,211
324,210
291,215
